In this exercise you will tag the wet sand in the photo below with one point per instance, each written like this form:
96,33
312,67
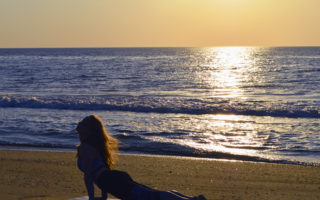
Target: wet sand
37,175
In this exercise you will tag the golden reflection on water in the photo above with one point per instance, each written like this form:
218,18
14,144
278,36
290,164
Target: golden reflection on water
232,67
228,72
233,134
228,68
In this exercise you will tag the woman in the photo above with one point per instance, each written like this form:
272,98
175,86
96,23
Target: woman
96,157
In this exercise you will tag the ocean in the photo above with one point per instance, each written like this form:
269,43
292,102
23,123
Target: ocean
239,103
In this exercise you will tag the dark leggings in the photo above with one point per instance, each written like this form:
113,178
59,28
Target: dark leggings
117,183
121,185
143,192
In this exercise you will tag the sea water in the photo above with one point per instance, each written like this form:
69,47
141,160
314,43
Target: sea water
243,103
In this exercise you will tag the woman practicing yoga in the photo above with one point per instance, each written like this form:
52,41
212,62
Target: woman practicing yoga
96,159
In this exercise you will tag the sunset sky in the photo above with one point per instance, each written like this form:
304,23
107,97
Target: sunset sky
159,23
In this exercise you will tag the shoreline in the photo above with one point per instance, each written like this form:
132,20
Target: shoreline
231,158
34,175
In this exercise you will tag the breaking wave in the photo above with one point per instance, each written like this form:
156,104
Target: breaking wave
159,104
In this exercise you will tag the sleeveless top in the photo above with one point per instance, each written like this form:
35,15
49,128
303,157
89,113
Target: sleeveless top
91,163
89,160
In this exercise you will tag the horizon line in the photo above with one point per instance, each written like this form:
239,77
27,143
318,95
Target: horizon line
120,47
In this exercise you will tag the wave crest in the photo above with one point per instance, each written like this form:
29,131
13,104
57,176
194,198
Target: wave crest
182,105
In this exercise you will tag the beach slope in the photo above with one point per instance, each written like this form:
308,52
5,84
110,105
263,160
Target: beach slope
34,175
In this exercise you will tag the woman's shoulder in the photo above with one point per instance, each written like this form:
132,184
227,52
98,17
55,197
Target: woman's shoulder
87,149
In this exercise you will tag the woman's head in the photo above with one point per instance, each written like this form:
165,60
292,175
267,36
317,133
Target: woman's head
90,127
92,131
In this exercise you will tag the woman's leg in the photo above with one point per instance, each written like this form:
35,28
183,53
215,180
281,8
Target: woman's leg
179,194
164,195
141,192
174,195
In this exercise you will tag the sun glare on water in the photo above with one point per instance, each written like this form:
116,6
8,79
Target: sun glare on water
227,72
231,134
229,68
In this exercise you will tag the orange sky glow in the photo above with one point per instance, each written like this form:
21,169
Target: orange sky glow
155,23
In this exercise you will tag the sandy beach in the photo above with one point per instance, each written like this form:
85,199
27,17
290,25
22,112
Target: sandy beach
37,175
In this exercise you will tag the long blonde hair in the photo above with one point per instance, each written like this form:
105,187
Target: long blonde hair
99,138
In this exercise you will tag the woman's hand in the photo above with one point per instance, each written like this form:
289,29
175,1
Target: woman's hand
100,198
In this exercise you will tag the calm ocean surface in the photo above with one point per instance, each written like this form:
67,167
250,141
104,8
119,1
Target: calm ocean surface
240,103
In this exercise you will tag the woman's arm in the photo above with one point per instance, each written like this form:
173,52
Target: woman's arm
104,195
90,189
89,185
87,155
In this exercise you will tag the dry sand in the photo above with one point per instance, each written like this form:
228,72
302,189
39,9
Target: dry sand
54,175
